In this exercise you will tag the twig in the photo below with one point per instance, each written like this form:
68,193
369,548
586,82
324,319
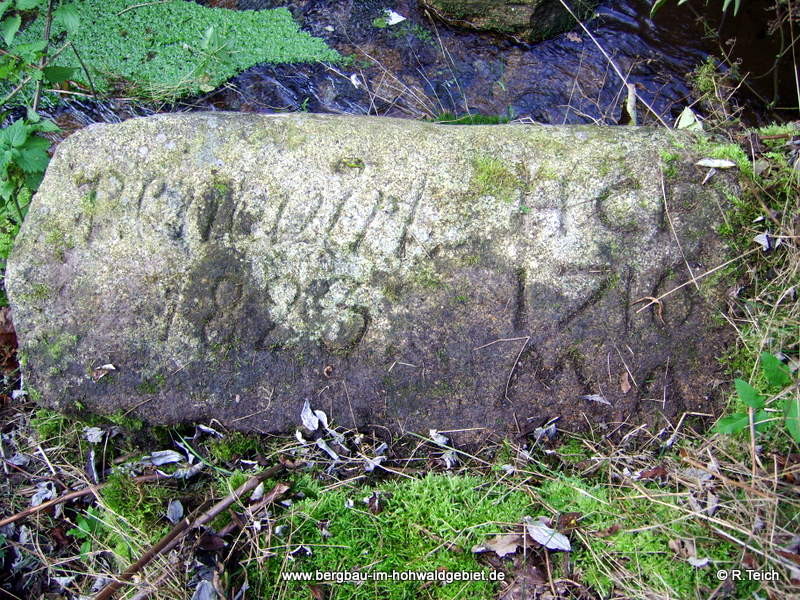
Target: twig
124,10
169,541
672,226
611,62
47,23
514,366
85,68
32,510
727,480
693,280
173,535
25,81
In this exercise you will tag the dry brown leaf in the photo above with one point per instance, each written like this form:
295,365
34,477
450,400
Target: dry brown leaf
525,584
684,548
608,531
568,521
502,545
658,472
624,384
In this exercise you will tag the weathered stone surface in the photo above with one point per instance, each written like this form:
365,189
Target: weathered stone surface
398,273
526,20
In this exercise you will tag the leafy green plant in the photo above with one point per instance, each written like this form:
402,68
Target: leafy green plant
89,526
778,379
164,50
24,62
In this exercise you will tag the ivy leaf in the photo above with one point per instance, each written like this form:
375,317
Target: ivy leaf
58,74
68,16
748,394
733,423
775,371
791,412
9,28
4,6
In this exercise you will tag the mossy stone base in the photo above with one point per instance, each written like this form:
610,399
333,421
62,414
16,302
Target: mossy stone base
399,273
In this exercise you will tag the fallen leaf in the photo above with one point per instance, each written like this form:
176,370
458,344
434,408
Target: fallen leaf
608,531
525,584
656,473
683,548
174,511
715,163
596,398
317,592
393,18
307,417
374,503
372,463
546,535
438,438
502,545
162,457
102,371
767,241
45,490
211,542
205,591
186,473
323,418
624,384
258,493
450,459
323,445
688,120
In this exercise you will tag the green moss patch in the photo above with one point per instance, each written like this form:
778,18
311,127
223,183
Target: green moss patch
493,177
416,529
169,49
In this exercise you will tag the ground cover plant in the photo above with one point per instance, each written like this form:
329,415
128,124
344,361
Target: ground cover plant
645,514
165,50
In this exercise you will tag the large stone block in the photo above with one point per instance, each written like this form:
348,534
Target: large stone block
398,273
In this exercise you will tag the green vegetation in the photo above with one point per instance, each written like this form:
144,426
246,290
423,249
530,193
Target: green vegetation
154,51
233,446
151,385
420,521
164,50
493,177
471,119
777,384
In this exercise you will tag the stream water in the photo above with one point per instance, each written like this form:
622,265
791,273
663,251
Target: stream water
421,68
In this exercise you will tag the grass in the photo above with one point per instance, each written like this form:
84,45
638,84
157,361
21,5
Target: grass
640,504
164,50
493,177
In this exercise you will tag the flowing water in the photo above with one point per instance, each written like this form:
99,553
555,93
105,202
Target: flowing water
421,68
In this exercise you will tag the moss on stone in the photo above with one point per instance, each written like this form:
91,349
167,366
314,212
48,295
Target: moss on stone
493,177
